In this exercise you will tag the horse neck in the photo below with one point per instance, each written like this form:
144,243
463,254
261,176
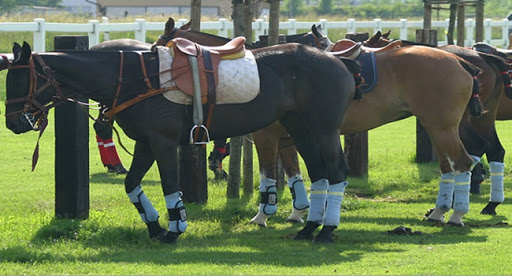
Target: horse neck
91,74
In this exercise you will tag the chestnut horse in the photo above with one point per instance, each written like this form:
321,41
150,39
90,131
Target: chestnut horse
304,88
439,103
494,89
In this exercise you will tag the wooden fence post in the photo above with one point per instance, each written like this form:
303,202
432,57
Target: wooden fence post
356,145
424,150
71,148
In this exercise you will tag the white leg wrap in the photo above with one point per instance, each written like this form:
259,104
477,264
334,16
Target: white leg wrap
445,195
334,200
268,192
298,190
461,192
318,197
177,213
496,170
476,160
260,219
147,211
296,215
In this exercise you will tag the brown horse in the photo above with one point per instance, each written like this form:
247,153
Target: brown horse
439,103
492,87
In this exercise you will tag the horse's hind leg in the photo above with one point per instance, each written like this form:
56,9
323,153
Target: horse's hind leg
322,153
452,158
142,161
290,162
495,156
266,142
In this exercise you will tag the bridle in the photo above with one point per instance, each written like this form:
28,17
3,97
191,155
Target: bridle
30,101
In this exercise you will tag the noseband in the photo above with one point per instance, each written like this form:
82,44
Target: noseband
30,100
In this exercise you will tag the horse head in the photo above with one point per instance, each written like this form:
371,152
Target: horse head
322,41
170,32
27,93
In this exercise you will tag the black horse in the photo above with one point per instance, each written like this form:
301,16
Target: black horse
304,88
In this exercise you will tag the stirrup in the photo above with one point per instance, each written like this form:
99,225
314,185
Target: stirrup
192,134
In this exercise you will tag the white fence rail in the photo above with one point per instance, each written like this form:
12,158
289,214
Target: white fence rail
94,28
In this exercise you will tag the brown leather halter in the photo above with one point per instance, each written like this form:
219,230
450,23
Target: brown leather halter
31,102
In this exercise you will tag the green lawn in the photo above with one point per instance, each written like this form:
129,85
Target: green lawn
219,240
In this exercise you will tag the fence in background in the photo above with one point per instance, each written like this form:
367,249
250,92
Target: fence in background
94,28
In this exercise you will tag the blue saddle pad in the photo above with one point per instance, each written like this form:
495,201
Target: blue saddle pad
368,71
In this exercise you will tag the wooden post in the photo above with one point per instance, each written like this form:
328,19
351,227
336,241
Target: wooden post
273,22
427,15
248,164
479,18
233,189
72,148
424,151
192,158
460,25
356,145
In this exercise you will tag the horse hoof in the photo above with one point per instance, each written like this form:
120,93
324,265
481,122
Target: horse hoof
455,224
156,231
300,236
117,169
260,224
295,221
170,237
490,208
221,175
325,235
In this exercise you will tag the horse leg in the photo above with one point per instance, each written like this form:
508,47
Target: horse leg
476,145
266,142
166,155
290,162
219,152
452,158
322,153
142,161
108,153
495,156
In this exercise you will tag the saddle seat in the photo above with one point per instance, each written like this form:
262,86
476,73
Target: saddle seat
489,49
233,49
208,59
351,49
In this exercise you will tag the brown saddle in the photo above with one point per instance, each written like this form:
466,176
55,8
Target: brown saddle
208,59
489,49
351,49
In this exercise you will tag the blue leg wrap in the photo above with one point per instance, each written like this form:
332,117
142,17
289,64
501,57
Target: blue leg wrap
177,213
318,198
461,192
445,195
496,169
299,194
334,200
268,192
147,211
476,160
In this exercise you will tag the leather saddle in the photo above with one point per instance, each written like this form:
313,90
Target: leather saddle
351,49
489,49
208,59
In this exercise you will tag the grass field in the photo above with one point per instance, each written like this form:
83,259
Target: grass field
219,240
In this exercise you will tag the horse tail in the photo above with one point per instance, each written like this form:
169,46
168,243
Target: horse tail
475,106
503,67
355,68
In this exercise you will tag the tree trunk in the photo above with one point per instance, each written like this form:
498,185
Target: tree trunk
273,22
195,15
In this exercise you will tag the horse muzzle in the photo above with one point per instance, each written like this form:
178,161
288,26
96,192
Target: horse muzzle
24,123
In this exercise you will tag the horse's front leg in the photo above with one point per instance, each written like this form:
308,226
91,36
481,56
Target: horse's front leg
166,155
142,161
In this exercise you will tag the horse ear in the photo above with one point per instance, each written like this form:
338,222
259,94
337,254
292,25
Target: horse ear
375,38
317,30
186,26
386,34
26,52
169,26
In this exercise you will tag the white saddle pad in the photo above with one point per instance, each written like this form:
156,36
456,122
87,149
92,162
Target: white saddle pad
239,81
